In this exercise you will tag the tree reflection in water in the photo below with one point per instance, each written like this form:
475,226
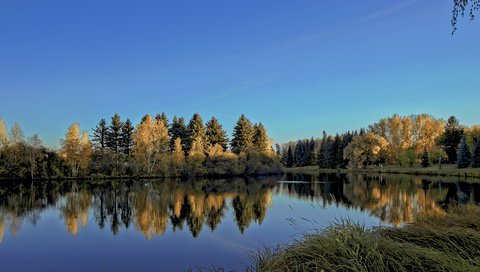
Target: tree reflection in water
152,206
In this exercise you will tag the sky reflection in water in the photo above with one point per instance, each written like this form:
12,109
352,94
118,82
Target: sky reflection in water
170,225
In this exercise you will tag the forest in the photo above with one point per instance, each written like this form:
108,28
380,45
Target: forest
397,140
158,148
153,148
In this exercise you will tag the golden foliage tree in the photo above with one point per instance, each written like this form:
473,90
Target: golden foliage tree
76,149
415,132
364,149
178,156
151,142
3,135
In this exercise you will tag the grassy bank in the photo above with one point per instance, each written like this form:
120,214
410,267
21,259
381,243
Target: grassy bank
447,243
446,170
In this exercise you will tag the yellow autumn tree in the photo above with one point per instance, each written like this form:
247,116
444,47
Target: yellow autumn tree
364,149
151,142
3,135
426,131
196,157
215,151
407,133
178,156
76,149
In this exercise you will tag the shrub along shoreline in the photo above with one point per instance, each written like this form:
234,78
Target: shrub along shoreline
450,170
450,242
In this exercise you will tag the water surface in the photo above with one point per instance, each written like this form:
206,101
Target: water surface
174,225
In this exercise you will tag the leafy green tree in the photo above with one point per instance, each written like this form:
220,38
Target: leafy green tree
99,137
425,159
243,134
463,157
114,134
407,157
178,129
476,153
451,138
260,139
197,133
216,134
290,157
127,137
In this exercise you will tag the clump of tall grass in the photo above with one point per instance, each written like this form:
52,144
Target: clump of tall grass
433,243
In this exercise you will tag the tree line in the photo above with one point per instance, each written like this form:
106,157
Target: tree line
154,147
397,140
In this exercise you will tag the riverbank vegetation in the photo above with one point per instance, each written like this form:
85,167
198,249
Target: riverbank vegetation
154,148
449,242
447,170
410,142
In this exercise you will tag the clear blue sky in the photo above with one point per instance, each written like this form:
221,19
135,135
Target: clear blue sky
300,67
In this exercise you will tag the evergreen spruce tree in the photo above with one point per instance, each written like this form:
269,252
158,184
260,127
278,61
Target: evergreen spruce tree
260,138
278,150
336,146
289,157
451,138
300,154
463,156
243,134
126,137
476,153
99,137
162,117
216,134
284,154
311,157
321,155
196,132
425,160
114,134
346,139
178,129
328,154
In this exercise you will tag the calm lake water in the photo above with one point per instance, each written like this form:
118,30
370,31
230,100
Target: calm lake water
172,225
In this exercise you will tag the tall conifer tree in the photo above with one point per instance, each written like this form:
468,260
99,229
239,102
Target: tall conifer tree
196,132
290,157
425,159
216,134
243,134
126,137
476,153
114,134
451,138
260,139
162,117
463,156
178,129
99,137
